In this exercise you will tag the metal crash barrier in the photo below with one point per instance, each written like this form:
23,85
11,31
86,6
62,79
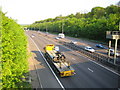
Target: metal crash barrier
93,55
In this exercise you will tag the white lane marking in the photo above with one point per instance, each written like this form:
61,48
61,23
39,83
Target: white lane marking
89,59
40,83
100,65
90,69
105,67
48,65
38,77
73,58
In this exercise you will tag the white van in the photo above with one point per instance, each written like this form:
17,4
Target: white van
61,35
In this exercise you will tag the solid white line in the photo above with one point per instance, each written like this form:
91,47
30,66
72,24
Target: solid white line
48,65
104,67
38,77
99,65
91,60
90,69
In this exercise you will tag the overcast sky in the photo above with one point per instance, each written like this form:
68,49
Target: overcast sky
29,11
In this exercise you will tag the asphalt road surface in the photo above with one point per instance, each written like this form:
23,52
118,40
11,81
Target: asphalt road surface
88,74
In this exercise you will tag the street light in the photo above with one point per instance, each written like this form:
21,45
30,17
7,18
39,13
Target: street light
39,28
62,26
46,28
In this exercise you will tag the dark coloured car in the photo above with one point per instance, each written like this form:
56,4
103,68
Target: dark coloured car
100,46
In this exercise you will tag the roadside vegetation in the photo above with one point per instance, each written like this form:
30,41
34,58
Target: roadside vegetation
14,62
92,25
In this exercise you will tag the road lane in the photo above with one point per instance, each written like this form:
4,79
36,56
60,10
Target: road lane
101,78
45,76
83,43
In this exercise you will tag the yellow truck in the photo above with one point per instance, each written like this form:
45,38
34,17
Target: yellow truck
58,61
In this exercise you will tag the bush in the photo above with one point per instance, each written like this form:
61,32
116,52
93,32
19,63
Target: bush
14,54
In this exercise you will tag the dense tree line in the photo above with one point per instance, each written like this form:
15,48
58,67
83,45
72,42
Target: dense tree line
14,54
92,25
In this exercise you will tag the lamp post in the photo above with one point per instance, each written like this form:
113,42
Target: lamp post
34,28
39,28
46,28
62,26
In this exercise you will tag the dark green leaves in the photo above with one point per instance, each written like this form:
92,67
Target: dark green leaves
89,25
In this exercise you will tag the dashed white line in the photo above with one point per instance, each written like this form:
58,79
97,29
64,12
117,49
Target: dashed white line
104,67
91,60
90,69
73,58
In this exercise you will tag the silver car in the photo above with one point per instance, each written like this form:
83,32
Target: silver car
73,42
90,49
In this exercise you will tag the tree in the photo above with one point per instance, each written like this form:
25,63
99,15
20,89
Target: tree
98,12
112,9
78,15
89,25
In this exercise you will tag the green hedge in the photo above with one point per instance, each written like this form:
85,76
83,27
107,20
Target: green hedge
14,54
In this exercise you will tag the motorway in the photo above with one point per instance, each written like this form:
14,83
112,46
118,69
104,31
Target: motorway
88,74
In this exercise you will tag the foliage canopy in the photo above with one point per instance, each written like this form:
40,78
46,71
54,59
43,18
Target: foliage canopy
14,54
92,25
